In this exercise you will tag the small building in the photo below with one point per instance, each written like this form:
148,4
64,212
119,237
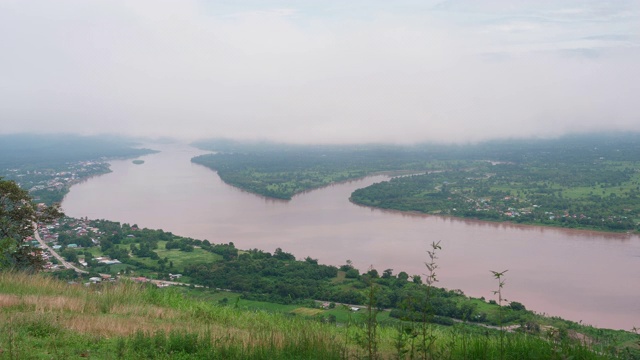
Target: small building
95,279
109,262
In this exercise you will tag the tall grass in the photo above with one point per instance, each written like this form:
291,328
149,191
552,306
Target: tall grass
41,318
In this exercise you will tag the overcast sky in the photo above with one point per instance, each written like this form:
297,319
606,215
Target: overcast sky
320,71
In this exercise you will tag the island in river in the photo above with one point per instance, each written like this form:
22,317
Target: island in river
583,182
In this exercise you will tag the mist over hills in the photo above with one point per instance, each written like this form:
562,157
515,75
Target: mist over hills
17,150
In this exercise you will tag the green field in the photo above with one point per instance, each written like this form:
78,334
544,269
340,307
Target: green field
181,258
604,196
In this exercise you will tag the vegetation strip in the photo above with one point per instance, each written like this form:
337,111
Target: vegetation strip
585,182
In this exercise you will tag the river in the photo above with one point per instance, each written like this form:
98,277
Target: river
578,275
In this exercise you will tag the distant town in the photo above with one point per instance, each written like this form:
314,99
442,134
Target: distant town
49,185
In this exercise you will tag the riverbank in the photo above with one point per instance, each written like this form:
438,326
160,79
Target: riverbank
479,194
555,218
506,223
185,256
324,225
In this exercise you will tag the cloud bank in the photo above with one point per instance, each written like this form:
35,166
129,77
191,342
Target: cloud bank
303,71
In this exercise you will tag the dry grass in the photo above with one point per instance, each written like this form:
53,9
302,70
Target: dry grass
306,311
42,304
149,311
43,309
9,300
122,309
22,283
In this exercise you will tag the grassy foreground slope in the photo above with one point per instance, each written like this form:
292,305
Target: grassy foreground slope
43,318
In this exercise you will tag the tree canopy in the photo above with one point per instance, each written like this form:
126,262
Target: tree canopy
18,218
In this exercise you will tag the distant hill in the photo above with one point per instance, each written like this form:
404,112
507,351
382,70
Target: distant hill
38,150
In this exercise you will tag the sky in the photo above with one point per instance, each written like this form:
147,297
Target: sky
330,71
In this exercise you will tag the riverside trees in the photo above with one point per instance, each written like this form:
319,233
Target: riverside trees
586,181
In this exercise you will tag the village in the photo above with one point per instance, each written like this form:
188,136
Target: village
47,238
50,184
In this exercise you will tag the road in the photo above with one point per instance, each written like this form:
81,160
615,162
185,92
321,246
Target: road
62,261
69,265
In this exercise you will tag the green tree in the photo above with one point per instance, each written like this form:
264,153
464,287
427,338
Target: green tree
18,216
387,274
373,273
69,255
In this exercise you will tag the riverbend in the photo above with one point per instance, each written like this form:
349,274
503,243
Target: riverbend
578,275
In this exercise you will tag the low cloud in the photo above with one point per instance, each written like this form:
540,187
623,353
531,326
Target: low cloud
297,71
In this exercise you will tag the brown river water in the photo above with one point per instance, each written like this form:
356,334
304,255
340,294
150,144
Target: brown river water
583,276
